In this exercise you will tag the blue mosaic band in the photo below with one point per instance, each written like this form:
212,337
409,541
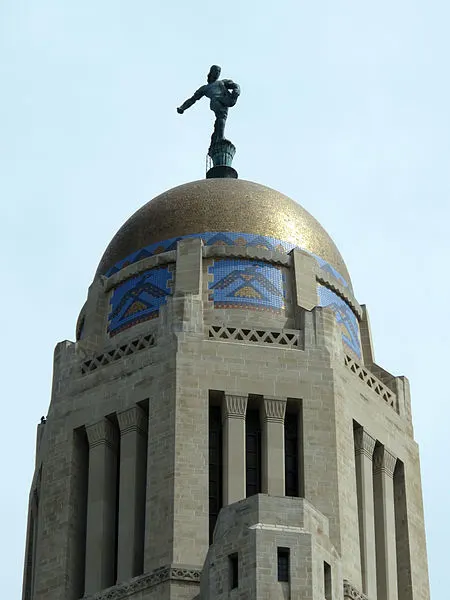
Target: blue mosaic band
222,239
138,299
345,318
250,284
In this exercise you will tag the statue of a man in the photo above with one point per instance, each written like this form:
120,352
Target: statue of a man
223,94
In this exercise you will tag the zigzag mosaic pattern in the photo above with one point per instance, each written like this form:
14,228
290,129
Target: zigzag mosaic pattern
221,239
251,284
345,318
138,299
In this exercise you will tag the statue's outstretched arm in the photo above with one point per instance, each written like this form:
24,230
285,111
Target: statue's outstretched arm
190,101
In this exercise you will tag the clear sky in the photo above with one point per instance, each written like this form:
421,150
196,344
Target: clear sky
344,107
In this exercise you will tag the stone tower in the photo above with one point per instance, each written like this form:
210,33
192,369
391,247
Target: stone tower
219,428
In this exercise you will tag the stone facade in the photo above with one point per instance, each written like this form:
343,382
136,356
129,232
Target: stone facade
119,504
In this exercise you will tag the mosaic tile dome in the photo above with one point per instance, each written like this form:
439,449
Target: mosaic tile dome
221,205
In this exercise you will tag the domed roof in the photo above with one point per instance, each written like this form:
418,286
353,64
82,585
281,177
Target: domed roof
222,205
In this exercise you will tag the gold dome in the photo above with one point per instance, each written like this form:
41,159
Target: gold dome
225,205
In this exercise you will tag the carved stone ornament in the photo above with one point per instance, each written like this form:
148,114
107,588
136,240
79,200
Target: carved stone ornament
384,461
351,593
364,443
144,582
235,406
132,419
102,432
274,409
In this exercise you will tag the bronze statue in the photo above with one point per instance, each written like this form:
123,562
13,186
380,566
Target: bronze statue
223,94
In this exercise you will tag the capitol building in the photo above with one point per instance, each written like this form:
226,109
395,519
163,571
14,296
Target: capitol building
219,428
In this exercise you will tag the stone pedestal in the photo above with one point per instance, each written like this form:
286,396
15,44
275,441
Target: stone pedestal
133,448
234,409
384,465
273,476
101,512
364,447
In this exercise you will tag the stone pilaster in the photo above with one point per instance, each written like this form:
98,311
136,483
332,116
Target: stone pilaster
233,410
366,337
383,482
273,475
364,448
133,449
188,278
305,279
101,512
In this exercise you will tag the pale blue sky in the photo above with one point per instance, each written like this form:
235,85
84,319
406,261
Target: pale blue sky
344,107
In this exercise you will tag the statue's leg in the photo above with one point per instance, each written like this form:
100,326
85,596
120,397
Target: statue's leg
221,113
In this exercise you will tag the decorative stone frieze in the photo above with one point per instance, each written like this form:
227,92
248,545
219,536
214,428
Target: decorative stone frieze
364,443
132,419
274,409
351,593
106,358
144,582
288,338
384,461
371,381
102,432
235,406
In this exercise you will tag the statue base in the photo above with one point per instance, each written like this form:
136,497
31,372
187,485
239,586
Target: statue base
221,171
219,159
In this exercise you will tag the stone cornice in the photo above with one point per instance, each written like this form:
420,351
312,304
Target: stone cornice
343,292
144,582
102,432
235,406
132,419
252,252
351,593
364,443
274,409
141,265
384,461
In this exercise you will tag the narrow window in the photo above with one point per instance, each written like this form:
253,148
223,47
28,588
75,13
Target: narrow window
215,466
327,581
234,571
253,452
283,564
291,454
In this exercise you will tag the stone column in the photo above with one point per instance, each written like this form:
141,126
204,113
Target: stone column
101,508
364,447
133,460
234,473
383,483
273,475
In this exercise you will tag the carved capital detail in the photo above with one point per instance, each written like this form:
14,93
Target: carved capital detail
384,461
274,409
351,593
364,443
235,406
147,581
102,432
132,419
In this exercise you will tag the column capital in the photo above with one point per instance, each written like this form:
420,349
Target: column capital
132,419
274,409
234,406
364,443
384,461
102,432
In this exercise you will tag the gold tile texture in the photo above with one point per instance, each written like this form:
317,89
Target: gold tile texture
224,205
